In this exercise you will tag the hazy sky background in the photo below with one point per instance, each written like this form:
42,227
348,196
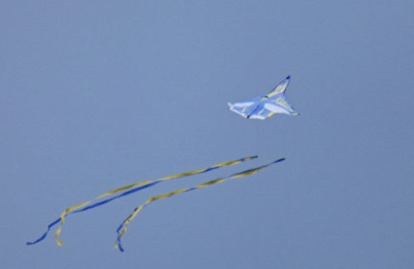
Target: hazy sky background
99,94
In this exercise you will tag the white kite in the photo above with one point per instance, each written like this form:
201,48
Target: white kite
266,106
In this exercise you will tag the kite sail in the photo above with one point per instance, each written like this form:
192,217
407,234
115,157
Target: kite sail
124,225
266,106
128,189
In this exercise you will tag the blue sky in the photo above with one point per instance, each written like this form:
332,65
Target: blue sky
97,94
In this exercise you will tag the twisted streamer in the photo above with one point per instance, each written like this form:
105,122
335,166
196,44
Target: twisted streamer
124,225
128,189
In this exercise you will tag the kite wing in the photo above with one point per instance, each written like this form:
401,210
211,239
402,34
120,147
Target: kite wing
245,109
280,88
274,102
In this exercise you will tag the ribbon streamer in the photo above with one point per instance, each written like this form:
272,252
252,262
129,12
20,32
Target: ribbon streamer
128,189
124,225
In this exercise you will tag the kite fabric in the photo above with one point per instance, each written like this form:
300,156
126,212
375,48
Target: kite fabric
128,189
124,225
266,106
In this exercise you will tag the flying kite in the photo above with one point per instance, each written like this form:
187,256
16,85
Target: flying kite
263,107
132,188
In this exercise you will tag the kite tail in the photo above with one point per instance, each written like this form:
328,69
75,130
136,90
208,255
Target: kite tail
124,225
45,234
128,189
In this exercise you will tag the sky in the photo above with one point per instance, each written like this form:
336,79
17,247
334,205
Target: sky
99,94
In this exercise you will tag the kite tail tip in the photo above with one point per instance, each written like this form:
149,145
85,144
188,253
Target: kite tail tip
119,246
37,240
29,243
280,160
288,77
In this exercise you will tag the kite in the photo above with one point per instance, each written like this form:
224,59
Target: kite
128,189
266,106
124,225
